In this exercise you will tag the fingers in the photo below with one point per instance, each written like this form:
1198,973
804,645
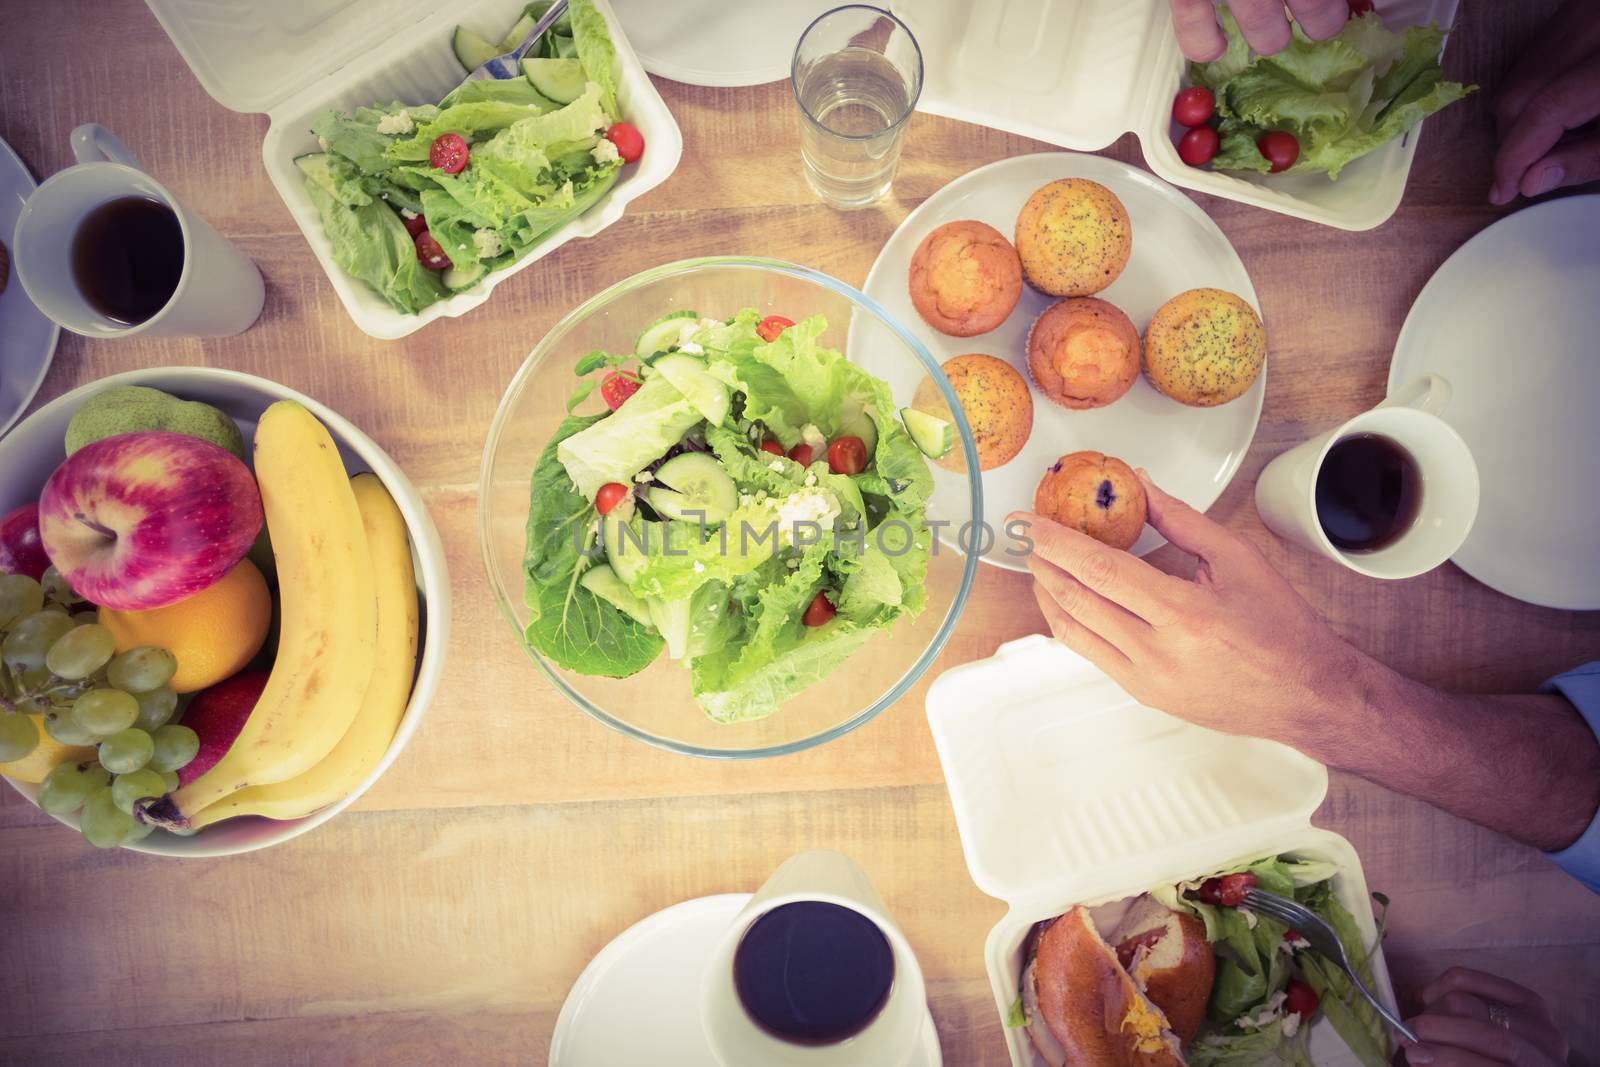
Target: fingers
1572,162
1566,103
1524,1020
1483,984
1427,1055
1320,19
1085,642
1198,33
1263,24
1121,629
1566,37
1113,574
1450,1032
1186,527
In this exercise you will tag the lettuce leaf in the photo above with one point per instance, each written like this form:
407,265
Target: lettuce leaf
1355,1020
628,440
593,42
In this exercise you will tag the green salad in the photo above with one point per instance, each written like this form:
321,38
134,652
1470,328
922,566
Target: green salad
752,506
1340,98
420,201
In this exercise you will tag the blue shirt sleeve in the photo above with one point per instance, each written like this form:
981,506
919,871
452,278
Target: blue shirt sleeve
1581,859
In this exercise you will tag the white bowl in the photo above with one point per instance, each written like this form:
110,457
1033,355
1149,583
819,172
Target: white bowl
37,446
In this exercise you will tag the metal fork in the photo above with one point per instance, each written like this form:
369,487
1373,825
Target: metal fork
505,66
1309,925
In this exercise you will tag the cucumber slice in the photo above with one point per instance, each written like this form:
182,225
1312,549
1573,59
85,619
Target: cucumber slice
693,487
515,35
626,551
671,618
562,80
863,427
471,50
662,334
689,376
931,434
603,582
458,278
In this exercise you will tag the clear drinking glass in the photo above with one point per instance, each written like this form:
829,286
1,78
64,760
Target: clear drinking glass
857,74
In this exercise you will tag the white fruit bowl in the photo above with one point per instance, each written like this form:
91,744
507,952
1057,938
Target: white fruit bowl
35,448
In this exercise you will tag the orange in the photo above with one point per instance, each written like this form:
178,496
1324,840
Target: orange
213,634
49,752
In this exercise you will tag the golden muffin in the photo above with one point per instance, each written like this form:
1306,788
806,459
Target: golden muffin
1094,494
1204,347
1083,352
1073,237
995,400
965,278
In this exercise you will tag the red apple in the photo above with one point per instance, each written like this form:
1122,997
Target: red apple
217,715
21,551
142,520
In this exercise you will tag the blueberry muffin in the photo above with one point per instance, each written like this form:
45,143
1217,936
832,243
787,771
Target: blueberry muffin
965,278
1083,353
1204,347
995,400
1073,237
1094,494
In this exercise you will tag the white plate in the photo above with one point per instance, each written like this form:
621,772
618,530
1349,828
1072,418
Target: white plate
1511,320
715,43
638,1001
27,338
1190,452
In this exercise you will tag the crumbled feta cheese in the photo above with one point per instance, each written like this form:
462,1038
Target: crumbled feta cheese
689,348
1291,945
487,242
689,328
322,143
407,214
1291,1024
1267,1015
399,122
605,151
806,506
811,479
699,568
813,437
776,465
644,476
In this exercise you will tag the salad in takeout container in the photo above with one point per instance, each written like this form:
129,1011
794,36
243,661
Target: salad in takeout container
359,93
1081,73
1067,792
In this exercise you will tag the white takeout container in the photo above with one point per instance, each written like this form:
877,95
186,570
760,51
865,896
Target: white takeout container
294,59
1081,73
38,445
1066,791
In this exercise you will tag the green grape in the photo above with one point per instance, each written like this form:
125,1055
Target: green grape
19,596
140,831
105,711
126,751
103,823
142,669
56,587
31,637
171,780
68,785
18,735
60,724
175,747
156,708
84,618
81,652
136,786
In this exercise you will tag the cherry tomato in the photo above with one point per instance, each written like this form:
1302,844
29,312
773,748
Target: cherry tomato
1280,149
1292,935
1208,893
847,455
628,139
618,386
610,495
1194,106
449,153
1231,887
415,224
819,612
770,327
1360,7
801,454
769,445
1198,146
430,253
1300,999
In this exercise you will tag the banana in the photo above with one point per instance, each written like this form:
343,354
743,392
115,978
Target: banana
364,744
328,604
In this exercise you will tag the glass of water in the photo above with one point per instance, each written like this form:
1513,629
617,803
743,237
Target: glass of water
857,74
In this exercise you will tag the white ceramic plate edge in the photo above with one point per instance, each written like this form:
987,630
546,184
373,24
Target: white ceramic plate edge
28,182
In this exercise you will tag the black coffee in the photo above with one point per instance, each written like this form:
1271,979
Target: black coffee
1368,492
127,257
813,973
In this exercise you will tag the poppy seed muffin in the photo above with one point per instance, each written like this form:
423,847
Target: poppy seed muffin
1083,353
1094,494
965,278
995,400
1204,347
1073,237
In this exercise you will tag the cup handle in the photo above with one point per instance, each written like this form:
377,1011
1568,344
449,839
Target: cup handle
93,143
1429,393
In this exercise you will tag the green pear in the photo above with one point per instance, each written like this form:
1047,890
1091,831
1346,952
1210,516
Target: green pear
135,408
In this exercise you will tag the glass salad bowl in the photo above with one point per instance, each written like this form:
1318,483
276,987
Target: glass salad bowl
656,704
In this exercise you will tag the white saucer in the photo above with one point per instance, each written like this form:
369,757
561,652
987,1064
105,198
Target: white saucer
717,43
27,338
1511,321
638,1001
1190,452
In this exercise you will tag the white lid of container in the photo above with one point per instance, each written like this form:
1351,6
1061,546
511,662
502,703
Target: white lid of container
1065,788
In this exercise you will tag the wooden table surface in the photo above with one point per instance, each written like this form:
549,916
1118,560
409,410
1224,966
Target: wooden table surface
445,916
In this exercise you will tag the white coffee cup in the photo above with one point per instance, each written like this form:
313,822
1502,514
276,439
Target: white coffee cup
1286,490
219,292
890,1040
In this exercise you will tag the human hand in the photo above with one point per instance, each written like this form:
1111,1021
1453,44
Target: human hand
1473,1019
1236,649
1262,22
1547,106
